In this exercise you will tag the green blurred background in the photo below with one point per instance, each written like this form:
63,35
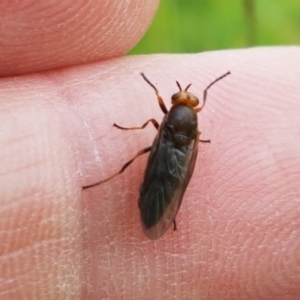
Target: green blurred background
199,25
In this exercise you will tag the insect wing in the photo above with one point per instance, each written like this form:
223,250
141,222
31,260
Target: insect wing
166,178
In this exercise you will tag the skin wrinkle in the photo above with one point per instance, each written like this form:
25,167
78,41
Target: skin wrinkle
23,168
64,93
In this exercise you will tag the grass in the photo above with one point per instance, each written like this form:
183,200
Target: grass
200,25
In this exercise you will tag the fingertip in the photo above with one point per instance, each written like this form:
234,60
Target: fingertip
39,36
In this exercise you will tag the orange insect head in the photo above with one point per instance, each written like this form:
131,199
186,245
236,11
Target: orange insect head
184,97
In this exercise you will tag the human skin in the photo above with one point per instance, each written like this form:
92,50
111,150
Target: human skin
239,224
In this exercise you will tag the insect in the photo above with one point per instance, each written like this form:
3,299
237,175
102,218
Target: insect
171,161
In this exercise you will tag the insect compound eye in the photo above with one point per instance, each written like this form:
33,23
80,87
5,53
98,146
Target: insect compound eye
192,101
175,97
196,100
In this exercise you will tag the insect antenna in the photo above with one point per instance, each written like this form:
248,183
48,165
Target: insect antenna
187,87
178,84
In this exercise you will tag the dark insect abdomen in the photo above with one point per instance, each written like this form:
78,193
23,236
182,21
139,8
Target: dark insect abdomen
167,171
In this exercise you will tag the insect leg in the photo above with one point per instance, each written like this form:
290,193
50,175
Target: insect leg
204,141
141,152
174,225
206,90
153,121
159,98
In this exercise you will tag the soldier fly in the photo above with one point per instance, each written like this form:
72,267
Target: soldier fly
171,161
